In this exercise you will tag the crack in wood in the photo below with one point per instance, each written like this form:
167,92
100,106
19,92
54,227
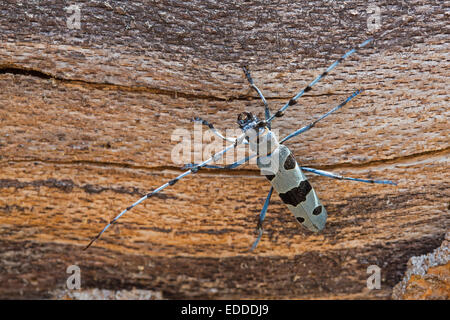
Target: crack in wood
408,159
20,70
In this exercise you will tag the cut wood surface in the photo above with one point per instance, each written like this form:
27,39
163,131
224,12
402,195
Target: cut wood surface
87,118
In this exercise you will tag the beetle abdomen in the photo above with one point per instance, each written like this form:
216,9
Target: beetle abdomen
286,177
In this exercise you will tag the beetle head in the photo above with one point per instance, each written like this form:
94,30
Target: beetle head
247,120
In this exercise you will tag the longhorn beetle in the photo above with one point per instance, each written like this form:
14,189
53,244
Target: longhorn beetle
274,159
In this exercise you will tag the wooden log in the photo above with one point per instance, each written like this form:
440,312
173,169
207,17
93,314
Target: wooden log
87,118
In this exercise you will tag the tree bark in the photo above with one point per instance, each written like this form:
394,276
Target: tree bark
87,121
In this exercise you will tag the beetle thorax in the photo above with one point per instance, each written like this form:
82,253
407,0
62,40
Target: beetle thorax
262,143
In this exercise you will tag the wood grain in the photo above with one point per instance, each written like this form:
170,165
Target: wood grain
87,118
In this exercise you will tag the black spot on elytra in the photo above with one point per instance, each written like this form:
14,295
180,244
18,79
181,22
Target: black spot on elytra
297,194
317,210
270,177
290,162
300,219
